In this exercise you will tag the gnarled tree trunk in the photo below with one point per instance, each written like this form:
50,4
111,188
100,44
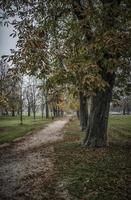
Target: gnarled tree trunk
83,111
98,120
96,135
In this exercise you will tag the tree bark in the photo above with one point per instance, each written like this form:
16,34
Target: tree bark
124,110
13,112
46,105
29,110
34,113
97,129
42,103
97,124
128,108
42,110
6,111
83,111
78,114
96,135
21,112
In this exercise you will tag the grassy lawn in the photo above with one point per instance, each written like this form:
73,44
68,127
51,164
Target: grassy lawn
82,173
93,174
11,129
120,129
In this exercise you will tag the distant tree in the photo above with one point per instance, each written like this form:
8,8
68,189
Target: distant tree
9,89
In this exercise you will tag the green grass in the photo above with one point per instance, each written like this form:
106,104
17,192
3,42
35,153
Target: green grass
120,128
94,174
11,129
82,173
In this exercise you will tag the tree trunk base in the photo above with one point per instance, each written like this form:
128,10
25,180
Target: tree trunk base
95,143
96,133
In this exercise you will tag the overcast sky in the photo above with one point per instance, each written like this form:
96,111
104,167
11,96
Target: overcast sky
6,42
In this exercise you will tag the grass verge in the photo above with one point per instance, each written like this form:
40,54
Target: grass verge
94,174
11,129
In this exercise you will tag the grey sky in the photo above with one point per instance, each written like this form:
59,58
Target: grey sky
6,42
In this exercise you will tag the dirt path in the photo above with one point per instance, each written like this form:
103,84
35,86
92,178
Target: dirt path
26,165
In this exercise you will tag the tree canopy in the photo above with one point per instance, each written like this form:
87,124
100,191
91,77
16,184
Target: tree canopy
80,45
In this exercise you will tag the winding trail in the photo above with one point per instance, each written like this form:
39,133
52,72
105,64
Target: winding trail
26,165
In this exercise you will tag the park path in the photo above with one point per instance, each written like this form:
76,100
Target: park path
26,165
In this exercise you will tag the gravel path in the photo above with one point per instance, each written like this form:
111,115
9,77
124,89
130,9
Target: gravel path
26,165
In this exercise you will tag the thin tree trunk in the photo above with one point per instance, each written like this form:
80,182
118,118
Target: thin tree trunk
34,114
29,110
34,110
6,112
42,110
54,111
78,114
42,103
46,105
21,112
128,108
21,117
21,104
13,112
47,110
18,112
124,110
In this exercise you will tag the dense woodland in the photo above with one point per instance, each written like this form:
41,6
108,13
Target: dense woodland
70,55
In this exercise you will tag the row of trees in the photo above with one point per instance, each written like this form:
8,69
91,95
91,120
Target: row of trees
121,105
79,45
26,94
9,89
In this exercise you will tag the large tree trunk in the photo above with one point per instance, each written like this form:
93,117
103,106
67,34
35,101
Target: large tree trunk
97,126
96,135
83,111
